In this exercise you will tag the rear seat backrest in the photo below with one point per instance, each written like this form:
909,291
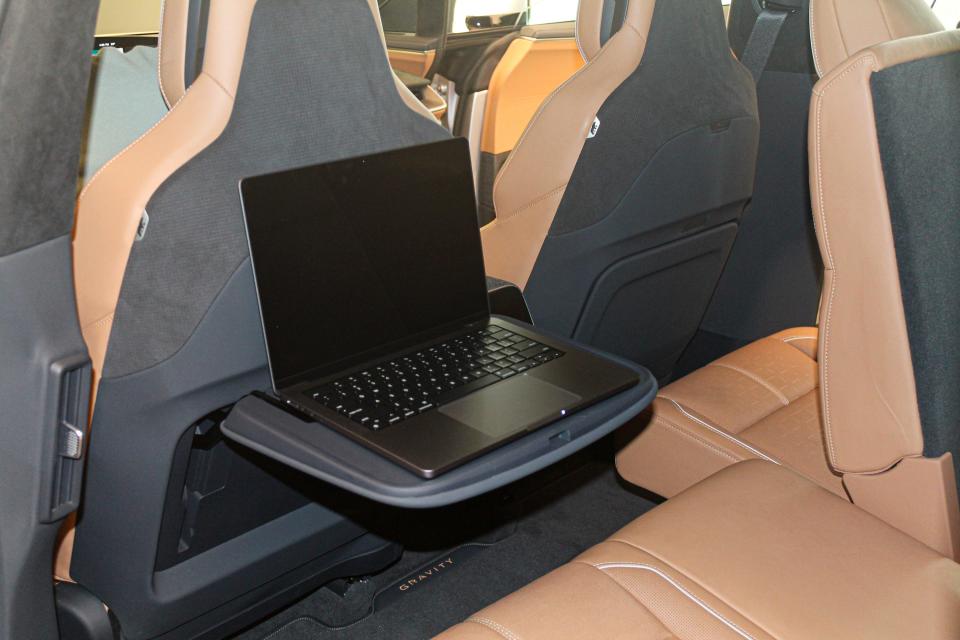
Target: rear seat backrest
169,312
883,144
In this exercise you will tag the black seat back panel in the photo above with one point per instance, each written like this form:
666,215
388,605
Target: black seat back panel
918,128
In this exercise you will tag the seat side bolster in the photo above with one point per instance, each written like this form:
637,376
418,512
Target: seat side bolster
111,206
841,28
171,50
533,179
408,98
869,402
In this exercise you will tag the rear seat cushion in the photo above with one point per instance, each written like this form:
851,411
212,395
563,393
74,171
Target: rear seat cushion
756,551
760,401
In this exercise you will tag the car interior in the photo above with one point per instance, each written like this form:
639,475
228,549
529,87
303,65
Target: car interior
750,206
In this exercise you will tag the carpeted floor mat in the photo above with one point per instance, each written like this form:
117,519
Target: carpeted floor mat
558,522
298,629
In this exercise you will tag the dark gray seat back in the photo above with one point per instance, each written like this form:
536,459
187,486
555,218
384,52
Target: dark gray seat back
651,210
772,279
162,553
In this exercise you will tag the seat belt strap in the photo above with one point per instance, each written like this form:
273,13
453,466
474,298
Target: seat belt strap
764,36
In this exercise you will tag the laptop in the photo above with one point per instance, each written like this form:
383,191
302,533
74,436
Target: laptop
372,291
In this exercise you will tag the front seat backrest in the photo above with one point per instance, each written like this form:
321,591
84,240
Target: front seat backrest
884,152
651,144
167,299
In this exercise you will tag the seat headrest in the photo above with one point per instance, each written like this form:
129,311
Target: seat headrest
171,46
841,28
599,20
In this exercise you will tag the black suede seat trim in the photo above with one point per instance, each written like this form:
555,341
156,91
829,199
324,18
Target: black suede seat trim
917,108
315,87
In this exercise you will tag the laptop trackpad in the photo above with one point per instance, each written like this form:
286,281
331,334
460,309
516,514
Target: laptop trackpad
510,406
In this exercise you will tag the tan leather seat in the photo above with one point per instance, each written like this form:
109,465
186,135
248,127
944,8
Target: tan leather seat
888,379
534,63
765,400
760,401
754,552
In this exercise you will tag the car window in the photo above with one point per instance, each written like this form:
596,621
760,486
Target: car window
547,11
128,17
948,11
474,15
399,16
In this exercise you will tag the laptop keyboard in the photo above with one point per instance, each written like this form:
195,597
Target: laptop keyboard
393,391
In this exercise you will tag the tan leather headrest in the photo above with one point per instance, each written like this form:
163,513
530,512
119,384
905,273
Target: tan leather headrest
596,18
172,49
841,28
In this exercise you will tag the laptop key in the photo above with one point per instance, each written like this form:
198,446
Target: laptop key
532,351
391,392
456,394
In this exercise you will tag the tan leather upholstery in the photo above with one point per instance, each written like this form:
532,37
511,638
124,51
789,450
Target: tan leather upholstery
865,400
529,71
416,62
172,50
110,208
760,401
870,413
841,28
754,552
531,184
589,20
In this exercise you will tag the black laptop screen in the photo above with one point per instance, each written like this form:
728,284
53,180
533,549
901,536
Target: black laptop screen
359,254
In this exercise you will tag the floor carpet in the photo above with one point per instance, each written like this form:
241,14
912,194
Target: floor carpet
555,524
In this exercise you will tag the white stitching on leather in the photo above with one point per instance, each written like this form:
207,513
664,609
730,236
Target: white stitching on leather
720,452
813,42
495,626
679,587
784,400
125,149
163,8
722,433
818,153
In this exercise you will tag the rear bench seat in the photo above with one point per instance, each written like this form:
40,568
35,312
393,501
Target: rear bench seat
878,422
764,400
760,401
757,552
